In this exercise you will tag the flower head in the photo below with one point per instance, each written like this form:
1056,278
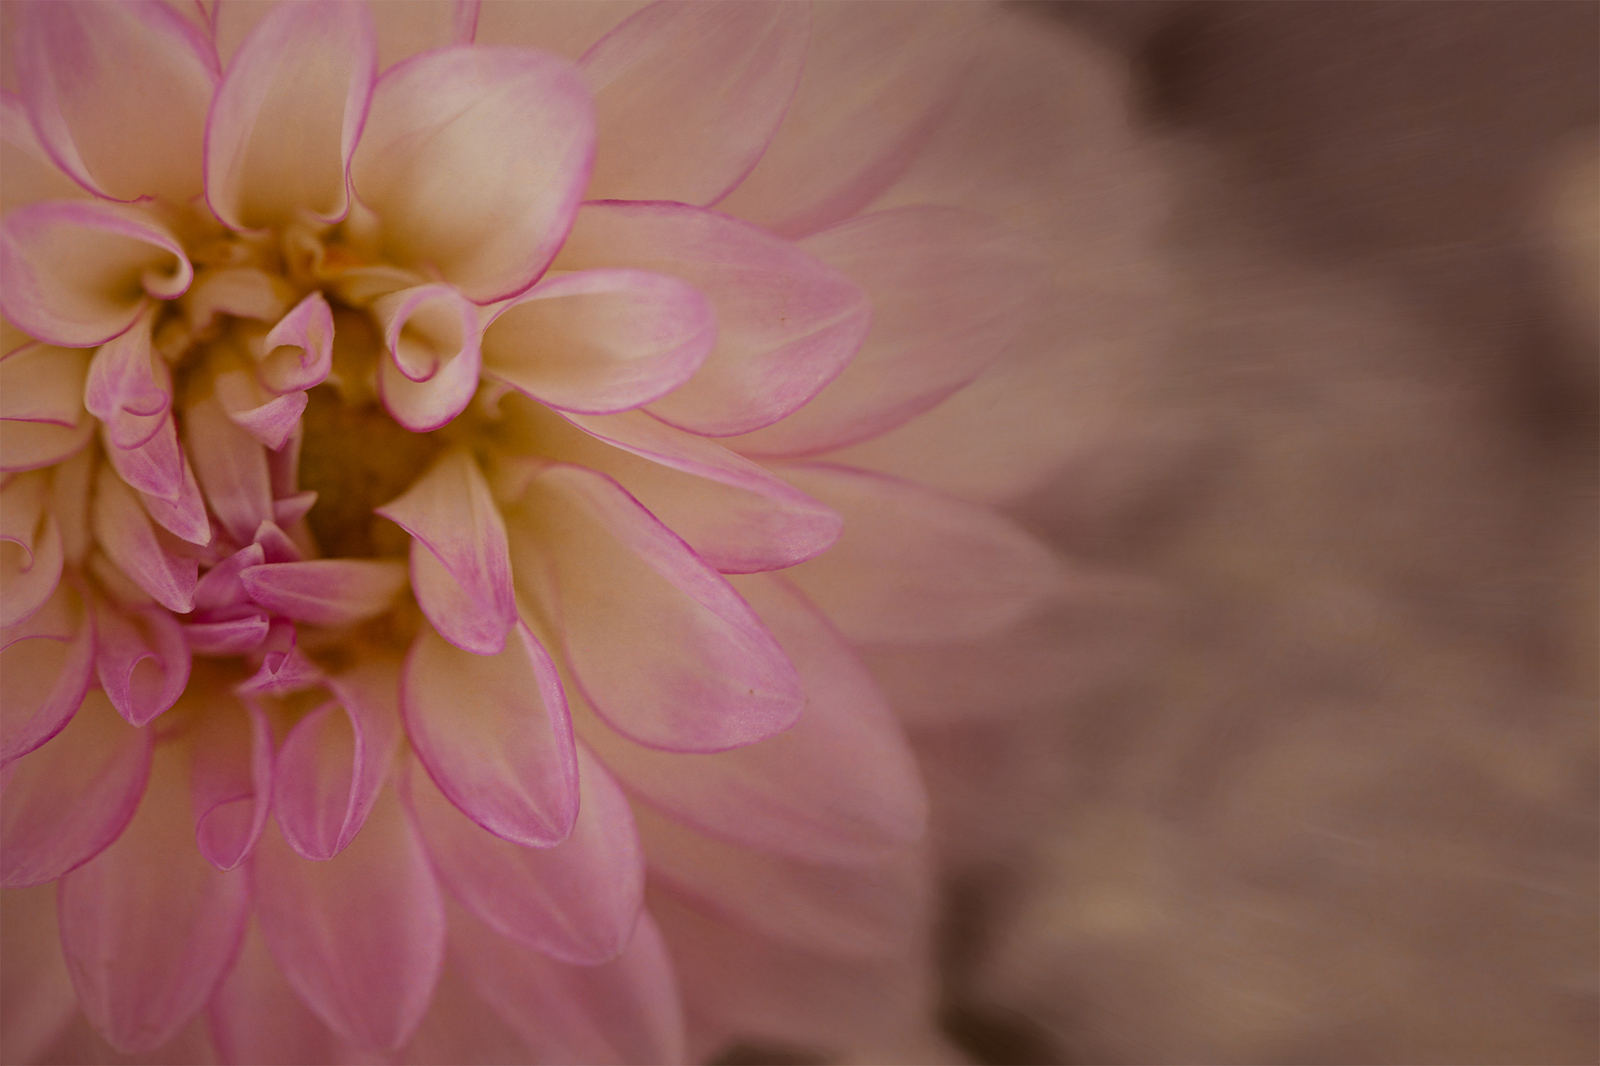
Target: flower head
409,528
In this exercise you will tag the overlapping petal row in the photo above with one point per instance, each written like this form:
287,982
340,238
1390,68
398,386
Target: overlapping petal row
417,524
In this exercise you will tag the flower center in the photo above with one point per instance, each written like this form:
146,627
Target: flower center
357,458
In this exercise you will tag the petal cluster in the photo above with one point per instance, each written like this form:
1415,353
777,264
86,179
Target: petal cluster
417,524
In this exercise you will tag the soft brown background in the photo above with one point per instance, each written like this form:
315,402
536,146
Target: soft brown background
1341,803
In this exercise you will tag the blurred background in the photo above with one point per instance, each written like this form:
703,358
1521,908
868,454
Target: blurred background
1324,785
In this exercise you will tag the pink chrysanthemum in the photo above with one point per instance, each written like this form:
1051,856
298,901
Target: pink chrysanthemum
413,528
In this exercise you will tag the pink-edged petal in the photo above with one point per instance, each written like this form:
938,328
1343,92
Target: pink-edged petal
39,383
474,159
286,118
334,761
326,592
155,467
31,175
127,535
166,483
230,785
504,754
600,341
914,566
878,80
577,901
432,333
948,290
421,26
62,804
840,786
46,662
460,569
71,483
662,645
361,936
787,323
32,445
92,74
254,1016
141,659
290,509
842,911
734,514
617,1012
148,926
129,388
31,554
41,406
687,95
298,351
35,988
231,467
220,587
269,419
77,271
227,636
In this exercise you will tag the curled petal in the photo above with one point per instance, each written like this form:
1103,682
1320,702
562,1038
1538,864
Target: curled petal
504,755
840,787
600,341
62,804
231,467
622,1011
269,419
141,659
361,936
31,553
687,95
432,333
490,226
913,566
286,118
284,667
786,322
326,592
460,569
578,901
244,292
736,515
46,662
948,291
148,926
334,761
661,644
298,351
129,388
90,74
41,406
77,271
230,786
